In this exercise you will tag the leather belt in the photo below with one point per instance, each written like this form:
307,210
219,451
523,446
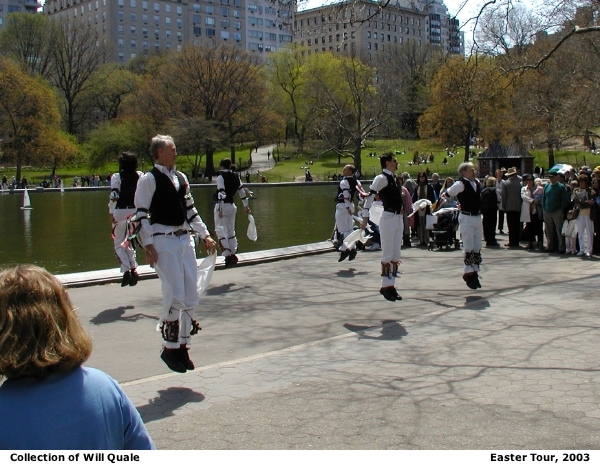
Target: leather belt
470,214
123,208
389,210
178,233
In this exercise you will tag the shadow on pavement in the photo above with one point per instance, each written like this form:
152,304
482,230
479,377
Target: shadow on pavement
117,314
390,331
167,401
224,289
350,273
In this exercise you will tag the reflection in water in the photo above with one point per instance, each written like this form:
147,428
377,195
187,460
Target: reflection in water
27,234
70,232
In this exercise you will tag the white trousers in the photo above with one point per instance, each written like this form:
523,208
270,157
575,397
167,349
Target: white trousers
471,231
176,267
585,233
344,223
125,255
391,228
225,228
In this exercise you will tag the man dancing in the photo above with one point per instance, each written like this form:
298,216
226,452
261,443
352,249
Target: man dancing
468,191
391,225
120,207
164,193
228,183
344,210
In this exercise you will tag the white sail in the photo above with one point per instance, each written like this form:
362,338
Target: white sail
26,201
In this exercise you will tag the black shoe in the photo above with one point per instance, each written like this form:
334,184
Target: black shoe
352,256
230,260
185,358
126,281
396,293
477,281
389,293
471,280
172,358
562,252
344,255
134,278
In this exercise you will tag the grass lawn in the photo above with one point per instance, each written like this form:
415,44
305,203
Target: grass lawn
291,167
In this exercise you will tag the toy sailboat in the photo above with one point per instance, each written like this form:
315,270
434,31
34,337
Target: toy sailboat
26,201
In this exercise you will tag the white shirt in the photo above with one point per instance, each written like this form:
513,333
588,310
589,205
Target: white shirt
143,198
378,184
458,187
222,195
115,185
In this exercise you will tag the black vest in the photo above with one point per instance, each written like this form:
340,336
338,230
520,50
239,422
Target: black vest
390,196
168,205
129,181
469,199
232,184
353,183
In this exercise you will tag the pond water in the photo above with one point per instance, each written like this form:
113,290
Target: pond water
70,232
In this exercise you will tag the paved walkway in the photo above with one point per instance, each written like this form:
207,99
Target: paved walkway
262,160
305,354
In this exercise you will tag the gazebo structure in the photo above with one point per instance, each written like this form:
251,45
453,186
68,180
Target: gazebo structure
498,156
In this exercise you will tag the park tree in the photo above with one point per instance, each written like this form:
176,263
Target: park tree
466,95
77,55
111,138
558,99
289,75
109,87
28,116
350,109
27,39
223,85
507,30
407,70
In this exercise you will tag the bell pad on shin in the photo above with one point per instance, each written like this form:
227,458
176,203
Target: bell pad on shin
170,330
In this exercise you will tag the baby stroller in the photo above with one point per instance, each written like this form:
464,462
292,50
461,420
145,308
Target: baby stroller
444,230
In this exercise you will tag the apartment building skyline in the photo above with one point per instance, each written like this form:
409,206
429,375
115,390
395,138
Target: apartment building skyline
131,27
362,28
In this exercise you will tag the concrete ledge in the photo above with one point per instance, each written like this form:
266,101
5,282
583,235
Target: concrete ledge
113,275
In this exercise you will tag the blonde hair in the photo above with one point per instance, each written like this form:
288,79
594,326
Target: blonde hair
447,183
490,182
40,332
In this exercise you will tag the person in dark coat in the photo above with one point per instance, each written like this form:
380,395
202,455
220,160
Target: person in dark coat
489,209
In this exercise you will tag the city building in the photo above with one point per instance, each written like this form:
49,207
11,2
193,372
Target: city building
361,27
12,6
132,27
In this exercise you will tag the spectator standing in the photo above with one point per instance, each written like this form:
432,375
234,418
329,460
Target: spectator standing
49,401
529,211
436,184
409,183
511,204
583,200
555,201
489,211
499,181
